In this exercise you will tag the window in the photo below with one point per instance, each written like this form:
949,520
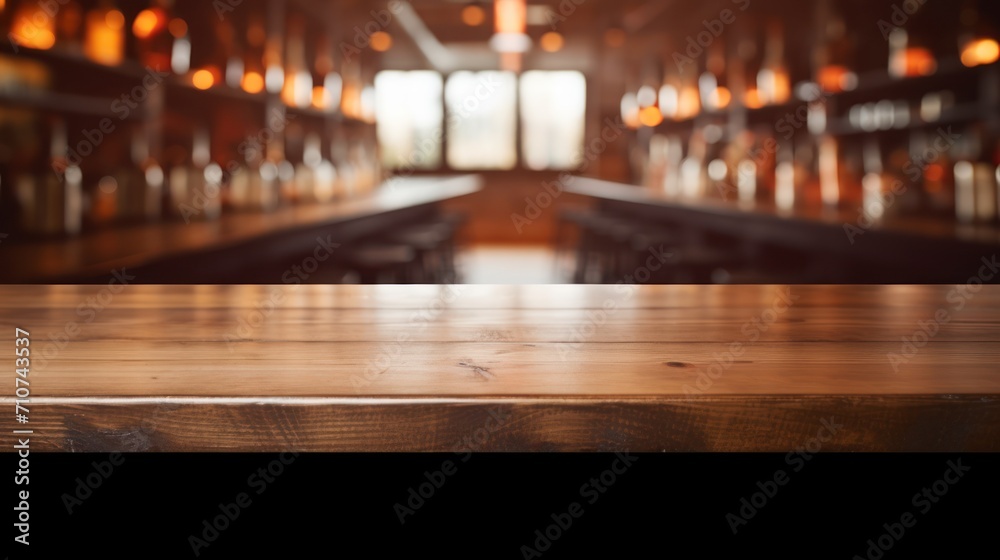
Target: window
482,123
553,110
482,119
409,118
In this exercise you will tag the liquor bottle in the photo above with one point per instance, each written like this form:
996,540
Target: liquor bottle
142,182
314,175
253,61
229,53
153,40
714,94
104,40
195,185
833,57
692,171
69,23
50,193
773,82
254,185
327,83
298,83
784,177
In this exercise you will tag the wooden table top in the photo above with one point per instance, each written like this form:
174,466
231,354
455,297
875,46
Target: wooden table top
516,368
95,253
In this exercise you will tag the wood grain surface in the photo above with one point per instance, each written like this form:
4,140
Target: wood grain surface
509,368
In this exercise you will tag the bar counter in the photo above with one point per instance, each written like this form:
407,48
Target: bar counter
200,251
509,368
877,252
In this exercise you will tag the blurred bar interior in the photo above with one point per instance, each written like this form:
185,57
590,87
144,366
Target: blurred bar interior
433,141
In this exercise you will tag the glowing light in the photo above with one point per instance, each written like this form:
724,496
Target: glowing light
147,23
203,79
980,51
551,42
721,97
105,38
178,28
752,99
473,16
253,82
33,28
381,41
650,116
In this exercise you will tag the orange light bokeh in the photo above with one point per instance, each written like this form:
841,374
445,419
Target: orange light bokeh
980,51
253,82
551,42
203,79
473,16
650,116
381,41
147,23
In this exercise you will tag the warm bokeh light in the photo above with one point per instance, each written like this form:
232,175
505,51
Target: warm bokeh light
319,97
913,61
934,173
551,42
178,28
147,23
614,37
381,41
253,82
835,78
33,28
650,116
114,19
688,103
105,37
473,16
752,100
721,98
630,110
980,51
511,16
203,79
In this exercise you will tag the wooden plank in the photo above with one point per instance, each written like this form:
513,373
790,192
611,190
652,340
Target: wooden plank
408,368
